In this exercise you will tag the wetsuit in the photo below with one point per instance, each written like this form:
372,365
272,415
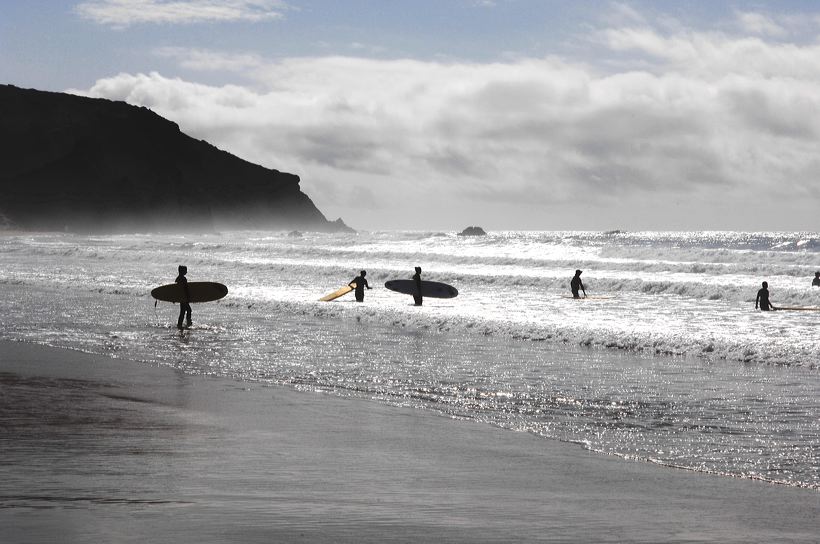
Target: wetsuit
763,300
417,295
815,282
361,283
576,284
184,307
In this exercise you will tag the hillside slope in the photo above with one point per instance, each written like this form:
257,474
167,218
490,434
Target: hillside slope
84,164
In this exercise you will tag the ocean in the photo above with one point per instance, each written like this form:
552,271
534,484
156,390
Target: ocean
667,362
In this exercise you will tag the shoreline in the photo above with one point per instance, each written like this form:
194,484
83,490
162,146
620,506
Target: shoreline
114,450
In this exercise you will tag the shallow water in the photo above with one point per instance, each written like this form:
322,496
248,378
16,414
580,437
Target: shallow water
98,450
740,394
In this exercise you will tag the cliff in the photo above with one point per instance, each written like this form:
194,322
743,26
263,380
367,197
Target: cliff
84,164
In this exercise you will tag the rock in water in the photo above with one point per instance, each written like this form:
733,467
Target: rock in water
473,231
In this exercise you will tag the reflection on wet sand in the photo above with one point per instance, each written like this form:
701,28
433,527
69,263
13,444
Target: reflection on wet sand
115,451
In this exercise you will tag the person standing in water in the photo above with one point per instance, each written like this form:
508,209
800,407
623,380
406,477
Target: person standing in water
763,299
185,306
417,279
816,281
576,284
359,283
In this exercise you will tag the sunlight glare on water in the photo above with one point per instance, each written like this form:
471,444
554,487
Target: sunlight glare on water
672,365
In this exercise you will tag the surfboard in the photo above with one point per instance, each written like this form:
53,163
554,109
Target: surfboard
591,297
798,308
199,291
337,293
432,289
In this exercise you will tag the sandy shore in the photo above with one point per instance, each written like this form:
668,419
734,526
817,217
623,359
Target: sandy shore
102,450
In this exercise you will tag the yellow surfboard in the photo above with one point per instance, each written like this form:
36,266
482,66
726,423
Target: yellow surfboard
590,297
337,293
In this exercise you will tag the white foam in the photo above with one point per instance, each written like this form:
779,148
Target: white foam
673,293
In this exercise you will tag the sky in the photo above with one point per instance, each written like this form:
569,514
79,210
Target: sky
440,114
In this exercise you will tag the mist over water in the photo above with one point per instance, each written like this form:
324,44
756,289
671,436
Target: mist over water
674,366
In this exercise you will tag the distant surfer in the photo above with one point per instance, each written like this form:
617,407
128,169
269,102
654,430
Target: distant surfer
359,283
816,281
417,280
762,299
185,306
576,284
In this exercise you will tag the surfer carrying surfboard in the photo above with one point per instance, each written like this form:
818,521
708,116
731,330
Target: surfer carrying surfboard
763,298
419,288
576,284
184,306
359,283
417,279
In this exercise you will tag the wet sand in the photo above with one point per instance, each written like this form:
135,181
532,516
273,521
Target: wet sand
101,450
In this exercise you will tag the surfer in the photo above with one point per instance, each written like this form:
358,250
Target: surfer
576,284
763,299
816,281
417,280
359,283
184,307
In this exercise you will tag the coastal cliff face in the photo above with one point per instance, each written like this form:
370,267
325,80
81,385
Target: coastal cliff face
85,164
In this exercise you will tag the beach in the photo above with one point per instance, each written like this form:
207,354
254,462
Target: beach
583,236
97,449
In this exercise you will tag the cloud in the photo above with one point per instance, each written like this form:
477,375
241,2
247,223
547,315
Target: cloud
206,60
710,55
621,13
124,13
758,23
713,127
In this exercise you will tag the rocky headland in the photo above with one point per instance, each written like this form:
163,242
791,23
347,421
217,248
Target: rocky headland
84,164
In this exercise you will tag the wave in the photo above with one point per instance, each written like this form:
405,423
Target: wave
508,281
479,268
658,252
787,288
712,348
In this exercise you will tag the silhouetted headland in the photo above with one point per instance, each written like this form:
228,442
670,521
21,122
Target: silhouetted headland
85,164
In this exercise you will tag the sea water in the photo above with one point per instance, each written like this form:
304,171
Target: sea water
670,365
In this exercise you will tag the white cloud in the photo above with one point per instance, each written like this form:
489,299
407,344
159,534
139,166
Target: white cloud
207,60
621,12
123,13
703,55
717,132
758,23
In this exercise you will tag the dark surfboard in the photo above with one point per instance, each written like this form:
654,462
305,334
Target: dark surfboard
200,291
432,289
